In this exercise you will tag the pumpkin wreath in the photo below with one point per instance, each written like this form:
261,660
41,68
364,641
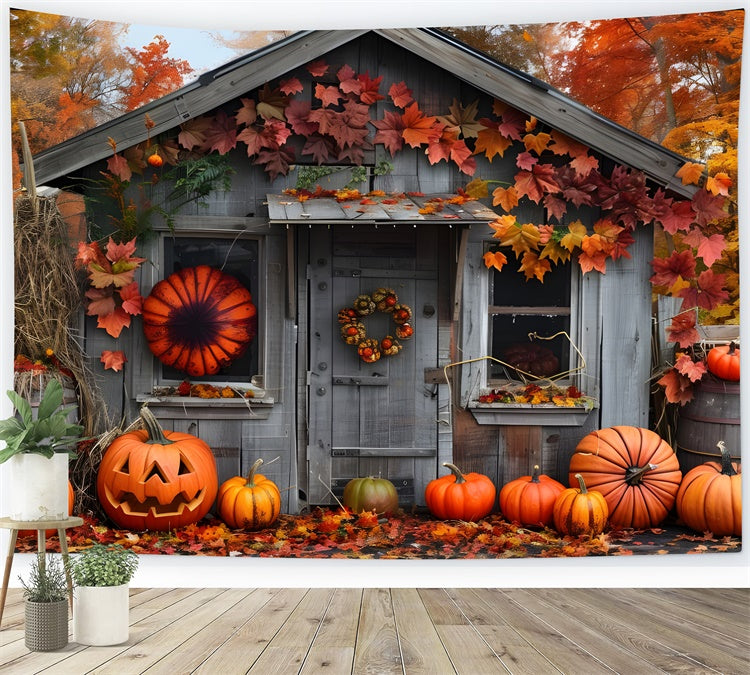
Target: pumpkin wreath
353,330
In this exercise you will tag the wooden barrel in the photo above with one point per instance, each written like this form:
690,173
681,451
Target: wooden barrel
712,416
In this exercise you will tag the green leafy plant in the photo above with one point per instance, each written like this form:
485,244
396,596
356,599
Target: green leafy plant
49,433
47,581
102,565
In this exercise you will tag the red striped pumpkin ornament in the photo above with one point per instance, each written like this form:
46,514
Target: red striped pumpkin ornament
198,320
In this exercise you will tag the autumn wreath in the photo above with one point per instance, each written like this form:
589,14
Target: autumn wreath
353,331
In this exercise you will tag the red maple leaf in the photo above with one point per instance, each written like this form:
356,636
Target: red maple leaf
708,207
440,149
328,95
290,86
326,119
113,360
526,161
677,387
101,301
668,270
709,248
319,146
562,144
193,132
693,370
353,154
679,217
370,87
555,206
514,122
400,94
297,114
276,162
132,302
419,128
317,68
222,134
584,164
253,138
461,154
390,132
619,249
708,293
682,330
118,166
536,182
348,82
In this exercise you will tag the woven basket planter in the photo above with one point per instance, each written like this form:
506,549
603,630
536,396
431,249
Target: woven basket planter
46,627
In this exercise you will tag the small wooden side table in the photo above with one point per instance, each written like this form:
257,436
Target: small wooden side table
41,527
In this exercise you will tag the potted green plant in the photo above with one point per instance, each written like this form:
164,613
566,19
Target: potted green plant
45,605
101,597
39,445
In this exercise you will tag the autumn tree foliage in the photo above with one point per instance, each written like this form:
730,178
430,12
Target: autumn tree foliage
70,74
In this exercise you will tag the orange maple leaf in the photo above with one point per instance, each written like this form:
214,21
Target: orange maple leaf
719,184
490,141
113,360
690,173
114,323
419,128
576,232
495,259
507,198
555,252
400,94
596,260
677,387
521,239
563,144
534,266
537,142
501,225
693,370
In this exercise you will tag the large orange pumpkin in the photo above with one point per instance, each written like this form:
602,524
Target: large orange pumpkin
635,469
579,511
151,479
251,503
710,496
529,499
459,496
198,320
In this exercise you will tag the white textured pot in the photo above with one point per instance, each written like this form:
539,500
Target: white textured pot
100,615
38,486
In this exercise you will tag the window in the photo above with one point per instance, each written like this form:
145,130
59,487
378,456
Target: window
237,256
518,309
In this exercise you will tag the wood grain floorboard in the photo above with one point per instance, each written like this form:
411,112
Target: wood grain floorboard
464,631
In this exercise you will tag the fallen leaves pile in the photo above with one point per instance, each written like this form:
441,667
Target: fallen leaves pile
335,533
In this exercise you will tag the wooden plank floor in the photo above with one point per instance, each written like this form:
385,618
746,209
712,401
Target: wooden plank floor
403,630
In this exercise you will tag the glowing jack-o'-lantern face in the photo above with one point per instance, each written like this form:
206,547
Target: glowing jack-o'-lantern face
150,479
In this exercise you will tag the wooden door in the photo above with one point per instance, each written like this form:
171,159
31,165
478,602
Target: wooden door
373,419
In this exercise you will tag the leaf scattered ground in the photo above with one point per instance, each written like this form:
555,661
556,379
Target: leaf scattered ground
334,533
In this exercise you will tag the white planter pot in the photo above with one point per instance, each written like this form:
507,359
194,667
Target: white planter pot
38,486
100,615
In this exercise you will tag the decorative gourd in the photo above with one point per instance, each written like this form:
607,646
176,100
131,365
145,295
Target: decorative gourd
529,499
635,469
710,496
459,496
390,346
370,494
724,362
151,479
579,511
401,314
198,320
250,503
404,331
364,305
369,350
353,332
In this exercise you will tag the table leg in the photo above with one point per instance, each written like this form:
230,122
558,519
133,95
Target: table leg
6,574
41,550
66,564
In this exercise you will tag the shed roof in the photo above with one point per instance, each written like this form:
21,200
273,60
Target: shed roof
253,70
418,209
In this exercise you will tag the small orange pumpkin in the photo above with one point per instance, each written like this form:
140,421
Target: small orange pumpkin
579,511
250,503
724,362
155,160
151,479
710,496
529,499
459,496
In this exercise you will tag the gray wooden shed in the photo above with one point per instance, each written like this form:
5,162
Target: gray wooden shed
327,415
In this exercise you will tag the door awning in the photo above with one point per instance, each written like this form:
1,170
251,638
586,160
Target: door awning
435,208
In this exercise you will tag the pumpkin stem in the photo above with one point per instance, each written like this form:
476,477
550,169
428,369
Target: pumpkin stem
153,428
253,469
726,460
732,348
581,484
634,474
456,472
535,475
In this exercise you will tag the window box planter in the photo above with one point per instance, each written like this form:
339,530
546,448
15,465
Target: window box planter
526,414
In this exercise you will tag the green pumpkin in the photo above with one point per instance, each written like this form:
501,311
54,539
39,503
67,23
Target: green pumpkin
371,494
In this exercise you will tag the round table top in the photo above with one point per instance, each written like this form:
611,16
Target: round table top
10,524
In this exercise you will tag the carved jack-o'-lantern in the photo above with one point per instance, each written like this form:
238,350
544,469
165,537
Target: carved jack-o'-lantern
151,479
